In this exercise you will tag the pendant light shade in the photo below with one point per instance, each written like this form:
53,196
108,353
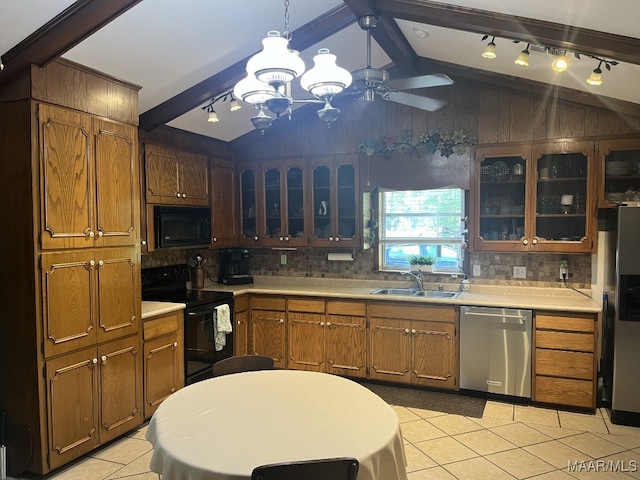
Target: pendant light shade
275,64
326,78
595,78
490,51
253,91
523,58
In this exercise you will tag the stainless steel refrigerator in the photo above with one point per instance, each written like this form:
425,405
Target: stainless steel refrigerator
624,327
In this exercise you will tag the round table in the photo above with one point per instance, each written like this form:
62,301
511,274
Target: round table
224,427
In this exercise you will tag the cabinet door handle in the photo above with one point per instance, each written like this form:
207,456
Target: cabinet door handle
101,262
413,331
281,238
406,330
287,238
92,263
282,320
328,324
337,238
175,345
184,195
322,324
215,239
525,241
94,361
331,238
104,359
100,233
143,243
256,238
534,241
178,194
91,234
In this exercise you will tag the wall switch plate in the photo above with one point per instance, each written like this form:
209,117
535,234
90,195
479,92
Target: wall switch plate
477,270
519,272
283,259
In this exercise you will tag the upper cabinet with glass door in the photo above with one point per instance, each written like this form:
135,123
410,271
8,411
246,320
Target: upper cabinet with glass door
619,167
536,198
251,210
500,216
334,203
284,201
565,206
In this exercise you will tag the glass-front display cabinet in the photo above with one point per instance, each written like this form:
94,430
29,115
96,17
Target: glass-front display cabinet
334,203
619,167
535,198
284,204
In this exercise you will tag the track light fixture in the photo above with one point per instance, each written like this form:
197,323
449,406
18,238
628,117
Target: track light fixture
490,50
560,62
523,58
212,116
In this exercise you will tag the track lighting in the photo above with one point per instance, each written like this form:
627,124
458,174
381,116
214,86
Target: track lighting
490,51
234,106
212,117
523,58
560,63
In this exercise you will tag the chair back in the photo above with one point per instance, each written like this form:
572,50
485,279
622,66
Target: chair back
243,363
324,469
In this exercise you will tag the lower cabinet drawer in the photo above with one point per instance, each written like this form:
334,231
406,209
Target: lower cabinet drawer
156,327
562,363
564,391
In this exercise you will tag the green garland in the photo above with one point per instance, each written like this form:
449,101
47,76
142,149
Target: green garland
430,142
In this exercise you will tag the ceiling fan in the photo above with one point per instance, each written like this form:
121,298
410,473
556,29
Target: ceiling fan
369,82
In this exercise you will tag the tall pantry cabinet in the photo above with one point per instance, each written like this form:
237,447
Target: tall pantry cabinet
70,351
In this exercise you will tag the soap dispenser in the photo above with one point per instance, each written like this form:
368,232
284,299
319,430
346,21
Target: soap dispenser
465,284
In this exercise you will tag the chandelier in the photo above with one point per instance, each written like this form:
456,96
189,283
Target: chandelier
267,85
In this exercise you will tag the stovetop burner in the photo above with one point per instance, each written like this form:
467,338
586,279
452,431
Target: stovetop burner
169,284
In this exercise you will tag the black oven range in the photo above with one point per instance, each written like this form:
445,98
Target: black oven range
169,284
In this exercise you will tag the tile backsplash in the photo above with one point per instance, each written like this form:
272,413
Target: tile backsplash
542,270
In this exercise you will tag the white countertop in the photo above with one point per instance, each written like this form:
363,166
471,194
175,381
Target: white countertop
564,299
153,309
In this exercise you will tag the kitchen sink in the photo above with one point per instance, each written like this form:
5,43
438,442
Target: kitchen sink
437,294
395,291
412,292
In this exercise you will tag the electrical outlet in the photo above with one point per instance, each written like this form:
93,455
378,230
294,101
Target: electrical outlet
519,272
477,270
564,269
283,259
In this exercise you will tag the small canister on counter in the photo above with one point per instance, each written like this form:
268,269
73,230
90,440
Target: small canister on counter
197,277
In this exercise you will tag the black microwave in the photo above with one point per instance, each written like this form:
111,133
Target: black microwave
182,226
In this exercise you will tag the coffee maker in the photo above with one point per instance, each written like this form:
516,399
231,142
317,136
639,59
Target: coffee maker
234,266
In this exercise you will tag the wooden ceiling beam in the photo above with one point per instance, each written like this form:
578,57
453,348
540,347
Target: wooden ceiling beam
62,33
538,32
306,36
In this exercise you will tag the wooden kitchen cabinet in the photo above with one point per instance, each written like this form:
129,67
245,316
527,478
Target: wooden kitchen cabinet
306,325
163,350
346,338
619,171
104,386
251,209
334,203
241,324
223,188
565,370
535,198
89,182
268,328
176,177
89,297
415,344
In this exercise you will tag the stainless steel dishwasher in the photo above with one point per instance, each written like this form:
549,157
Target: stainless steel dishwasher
495,350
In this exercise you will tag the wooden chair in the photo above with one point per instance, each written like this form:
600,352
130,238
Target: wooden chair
244,363
324,469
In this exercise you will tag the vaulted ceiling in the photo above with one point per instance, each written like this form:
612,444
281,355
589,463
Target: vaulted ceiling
185,53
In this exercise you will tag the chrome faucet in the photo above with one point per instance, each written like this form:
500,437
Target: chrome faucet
417,277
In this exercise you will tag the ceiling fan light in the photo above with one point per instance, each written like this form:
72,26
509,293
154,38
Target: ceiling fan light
213,117
490,51
595,78
523,59
369,95
253,91
326,78
275,64
560,64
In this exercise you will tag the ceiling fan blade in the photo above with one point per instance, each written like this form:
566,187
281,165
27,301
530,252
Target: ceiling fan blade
435,80
416,101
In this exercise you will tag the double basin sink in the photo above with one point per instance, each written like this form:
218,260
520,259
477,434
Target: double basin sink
414,292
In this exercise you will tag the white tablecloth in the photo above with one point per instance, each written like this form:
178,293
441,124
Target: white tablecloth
222,428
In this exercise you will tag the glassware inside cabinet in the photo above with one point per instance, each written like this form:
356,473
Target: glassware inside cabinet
561,193
622,176
502,198
346,201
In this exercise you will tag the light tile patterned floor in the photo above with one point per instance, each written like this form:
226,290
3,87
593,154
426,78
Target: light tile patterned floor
449,437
